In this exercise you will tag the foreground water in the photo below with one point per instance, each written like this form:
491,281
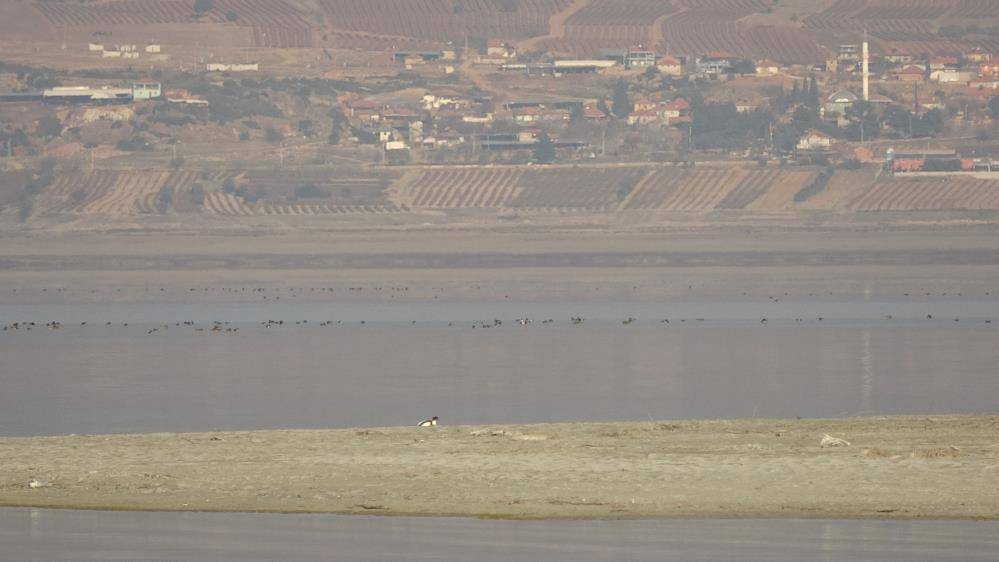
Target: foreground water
711,360
52,535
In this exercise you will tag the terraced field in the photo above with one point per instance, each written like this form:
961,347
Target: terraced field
224,204
463,188
372,42
614,23
908,25
718,189
274,23
694,33
927,194
113,193
442,20
607,189
587,189
526,189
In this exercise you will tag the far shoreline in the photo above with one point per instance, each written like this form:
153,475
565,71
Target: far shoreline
896,467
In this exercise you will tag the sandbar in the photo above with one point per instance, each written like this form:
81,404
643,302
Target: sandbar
899,467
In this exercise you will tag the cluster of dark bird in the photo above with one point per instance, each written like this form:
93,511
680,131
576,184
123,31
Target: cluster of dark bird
226,327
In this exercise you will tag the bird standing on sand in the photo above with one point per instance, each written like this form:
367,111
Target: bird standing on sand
432,422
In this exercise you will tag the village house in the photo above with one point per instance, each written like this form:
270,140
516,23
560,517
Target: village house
222,67
897,57
926,102
991,83
977,56
363,110
952,76
677,111
839,102
646,117
445,101
670,66
492,59
500,48
640,57
850,52
527,115
591,112
944,63
715,63
634,57
644,105
400,117
767,67
183,96
146,89
911,73
746,106
478,119
879,100
814,140
990,68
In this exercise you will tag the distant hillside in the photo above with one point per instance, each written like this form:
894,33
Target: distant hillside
790,31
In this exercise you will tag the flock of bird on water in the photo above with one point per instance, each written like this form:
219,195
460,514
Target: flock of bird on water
219,326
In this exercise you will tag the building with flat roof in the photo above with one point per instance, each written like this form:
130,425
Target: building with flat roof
146,90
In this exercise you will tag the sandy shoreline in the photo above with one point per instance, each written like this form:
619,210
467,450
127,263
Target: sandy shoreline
896,467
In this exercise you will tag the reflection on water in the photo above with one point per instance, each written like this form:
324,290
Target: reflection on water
112,379
867,386
53,535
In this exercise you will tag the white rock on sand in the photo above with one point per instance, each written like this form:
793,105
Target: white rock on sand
830,441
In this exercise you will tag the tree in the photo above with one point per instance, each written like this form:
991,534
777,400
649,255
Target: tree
305,127
994,107
49,126
165,197
202,6
544,150
231,15
620,103
197,194
983,136
309,190
813,94
508,6
272,135
602,106
743,66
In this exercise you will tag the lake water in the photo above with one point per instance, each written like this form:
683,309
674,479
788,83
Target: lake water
712,360
55,535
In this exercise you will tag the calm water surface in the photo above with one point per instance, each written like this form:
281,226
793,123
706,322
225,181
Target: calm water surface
54,535
389,371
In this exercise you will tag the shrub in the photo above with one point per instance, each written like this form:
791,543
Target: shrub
311,191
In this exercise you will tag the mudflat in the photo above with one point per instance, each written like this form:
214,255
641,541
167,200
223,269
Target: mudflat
893,467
